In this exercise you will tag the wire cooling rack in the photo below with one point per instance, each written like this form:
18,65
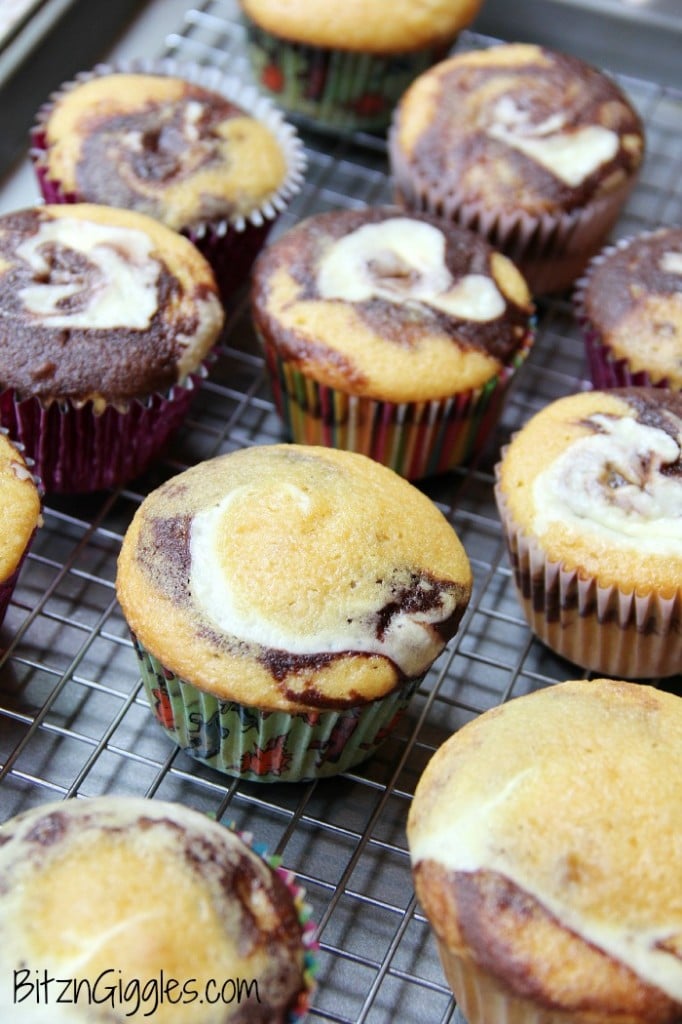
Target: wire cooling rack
74,720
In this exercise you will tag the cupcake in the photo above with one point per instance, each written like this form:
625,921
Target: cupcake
345,67
535,150
190,146
285,602
390,334
120,908
108,318
545,844
19,515
629,304
590,498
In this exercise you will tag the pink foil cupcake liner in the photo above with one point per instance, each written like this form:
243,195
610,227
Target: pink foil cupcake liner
76,449
605,368
550,250
230,245
602,628
416,439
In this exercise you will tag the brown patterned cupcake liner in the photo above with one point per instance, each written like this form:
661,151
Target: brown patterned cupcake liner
229,244
605,629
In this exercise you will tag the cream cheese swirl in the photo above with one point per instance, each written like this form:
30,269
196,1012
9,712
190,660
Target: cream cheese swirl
612,483
116,287
350,598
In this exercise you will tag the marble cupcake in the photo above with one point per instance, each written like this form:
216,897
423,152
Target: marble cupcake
108,318
590,497
285,602
19,514
629,304
134,909
345,66
534,149
544,838
390,334
192,147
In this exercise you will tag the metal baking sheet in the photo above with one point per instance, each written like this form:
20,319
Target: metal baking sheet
74,721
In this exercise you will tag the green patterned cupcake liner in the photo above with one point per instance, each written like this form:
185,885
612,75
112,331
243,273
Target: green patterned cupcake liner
335,88
267,746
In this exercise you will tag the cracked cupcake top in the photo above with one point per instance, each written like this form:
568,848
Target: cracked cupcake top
286,576
100,304
390,305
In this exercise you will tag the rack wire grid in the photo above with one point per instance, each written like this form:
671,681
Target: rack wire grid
74,721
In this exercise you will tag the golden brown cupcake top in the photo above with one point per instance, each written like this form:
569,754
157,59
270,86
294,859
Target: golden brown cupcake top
395,27
163,146
123,895
596,479
389,305
632,295
292,577
19,507
544,837
100,304
518,127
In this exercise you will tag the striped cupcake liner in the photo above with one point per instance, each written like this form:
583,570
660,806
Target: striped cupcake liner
229,244
267,746
416,439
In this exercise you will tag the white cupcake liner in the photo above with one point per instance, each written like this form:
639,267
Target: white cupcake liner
483,1001
605,629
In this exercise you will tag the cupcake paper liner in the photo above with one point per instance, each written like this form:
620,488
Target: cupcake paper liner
616,633
416,439
337,89
550,250
231,244
481,1000
77,450
606,369
267,746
